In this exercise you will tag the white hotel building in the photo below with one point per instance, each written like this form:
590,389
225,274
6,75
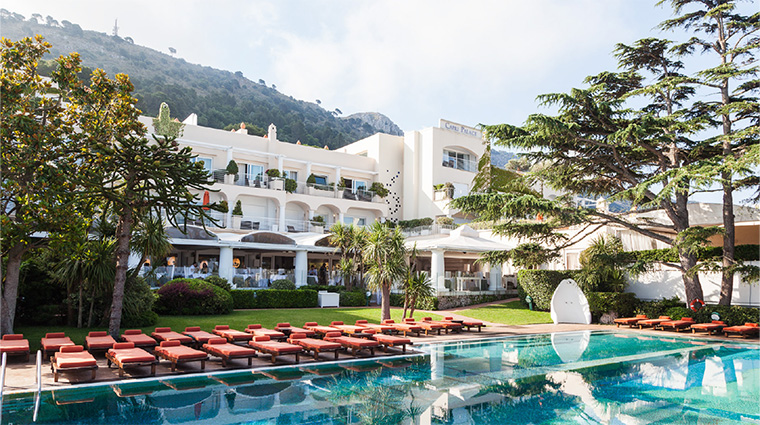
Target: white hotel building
277,237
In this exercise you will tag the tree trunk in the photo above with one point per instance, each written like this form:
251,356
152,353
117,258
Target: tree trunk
123,235
729,242
406,305
79,312
690,280
10,290
413,302
92,307
386,301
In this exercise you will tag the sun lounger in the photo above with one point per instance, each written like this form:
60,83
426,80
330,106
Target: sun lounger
347,329
387,341
320,330
15,345
467,323
124,354
231,335
652,322
138,338
447,324
274,348
219,347
98,341
316,346
386,329
630,321
199,337
684,323
53,342
257,330
167,334
404,328
747,330
355,345
426,326
285,328
72,358
714,326
177,353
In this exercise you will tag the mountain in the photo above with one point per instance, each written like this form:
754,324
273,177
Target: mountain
219,98
500,158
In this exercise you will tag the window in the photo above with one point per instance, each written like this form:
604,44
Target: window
361,221
255,172
348,220
207,163
458,160
289,174
360,186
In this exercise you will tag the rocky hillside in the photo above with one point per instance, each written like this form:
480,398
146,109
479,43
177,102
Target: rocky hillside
219,98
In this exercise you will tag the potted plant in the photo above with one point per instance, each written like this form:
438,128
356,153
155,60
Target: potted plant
314,188
290,185
237,215
379,190
318,224
231,173
275,182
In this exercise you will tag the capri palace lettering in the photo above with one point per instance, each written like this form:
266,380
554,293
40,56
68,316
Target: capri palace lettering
459,128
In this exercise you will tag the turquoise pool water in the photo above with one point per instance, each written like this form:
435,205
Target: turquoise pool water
583,377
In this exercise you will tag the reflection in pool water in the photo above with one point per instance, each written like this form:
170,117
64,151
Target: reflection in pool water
584,377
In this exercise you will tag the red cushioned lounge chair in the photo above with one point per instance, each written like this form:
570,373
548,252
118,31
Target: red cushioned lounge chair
15,345
219,347
72,358
426,326
747,330
316,346
53,342
652,322
684,323
320,330
285,328
231,335
467,323
386,329
448,325
176,353
199,337
98,341
355,345
387,341
630,321
124,354
714,326
348,329
257,330
404,328
274,348
138,338
167,334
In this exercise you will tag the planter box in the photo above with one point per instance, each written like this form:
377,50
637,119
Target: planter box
229,179
236,222
317,229
319,192
277,184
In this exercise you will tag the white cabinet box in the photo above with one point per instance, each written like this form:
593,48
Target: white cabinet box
328,299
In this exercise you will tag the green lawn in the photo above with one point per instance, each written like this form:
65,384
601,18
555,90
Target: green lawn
239,319
512,313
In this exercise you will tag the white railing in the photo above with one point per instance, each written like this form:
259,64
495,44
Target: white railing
461,164
432,229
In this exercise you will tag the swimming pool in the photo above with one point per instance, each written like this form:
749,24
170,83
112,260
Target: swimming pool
576,377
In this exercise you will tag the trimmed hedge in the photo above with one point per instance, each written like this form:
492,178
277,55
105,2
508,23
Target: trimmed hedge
743,253
416,222
192,297
540,285
732,315
353,298
283,284
328,288
615,304
274,298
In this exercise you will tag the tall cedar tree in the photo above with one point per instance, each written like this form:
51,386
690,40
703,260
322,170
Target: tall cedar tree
38,123
733,40
598,147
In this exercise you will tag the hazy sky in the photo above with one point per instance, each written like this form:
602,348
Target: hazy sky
415,61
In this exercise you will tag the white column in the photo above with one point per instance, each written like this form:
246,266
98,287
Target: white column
337,181
281,218
308,170
279,163
495,277
229,156
340,217
311,214
437,269
226,269
302,266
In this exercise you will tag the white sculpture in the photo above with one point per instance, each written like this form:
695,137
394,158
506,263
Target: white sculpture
569,305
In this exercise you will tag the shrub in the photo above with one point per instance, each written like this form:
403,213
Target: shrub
283,284
417,222
193,297
290,185
220,282
232,167
274,298
676,313
444,221
238,210
540,285
355,298
658,308
139,300
328,288
743,252
397,300
379,189
614,303
273,172
223,206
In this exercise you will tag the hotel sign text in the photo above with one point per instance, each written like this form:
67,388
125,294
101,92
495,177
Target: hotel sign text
459,128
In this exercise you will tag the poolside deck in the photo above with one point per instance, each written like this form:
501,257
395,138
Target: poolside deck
20,376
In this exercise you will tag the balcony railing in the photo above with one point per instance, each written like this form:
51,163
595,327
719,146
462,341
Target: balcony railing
461,164
433,229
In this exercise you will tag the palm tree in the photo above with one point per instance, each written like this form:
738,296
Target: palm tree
150,240
385,255
417,287
349,240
